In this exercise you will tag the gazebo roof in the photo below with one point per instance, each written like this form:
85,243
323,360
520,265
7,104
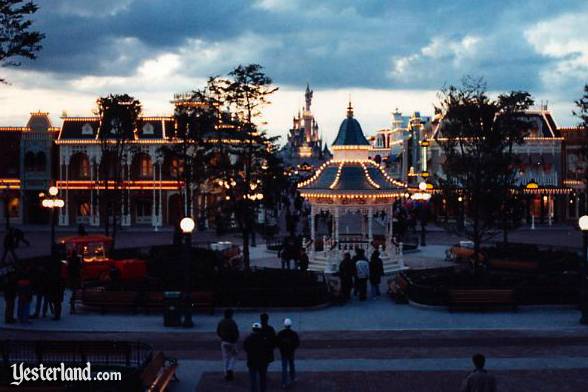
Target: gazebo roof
344,178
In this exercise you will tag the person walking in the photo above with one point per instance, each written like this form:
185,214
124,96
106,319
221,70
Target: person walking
9,246
228,332
287,252
255,345
303,261
19,237
362,274
288,341
479,380
376,273
346,274
10,291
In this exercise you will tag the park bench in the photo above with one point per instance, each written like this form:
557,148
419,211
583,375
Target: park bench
108,300
203,300
159,372
481,299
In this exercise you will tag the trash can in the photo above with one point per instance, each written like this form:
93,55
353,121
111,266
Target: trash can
172,315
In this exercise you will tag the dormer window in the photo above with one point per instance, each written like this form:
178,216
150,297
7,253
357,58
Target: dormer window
148,129
87,129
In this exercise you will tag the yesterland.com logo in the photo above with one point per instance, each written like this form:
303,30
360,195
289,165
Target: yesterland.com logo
61,373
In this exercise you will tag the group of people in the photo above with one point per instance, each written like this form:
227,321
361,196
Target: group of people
357,271
259,346
292,252
24,284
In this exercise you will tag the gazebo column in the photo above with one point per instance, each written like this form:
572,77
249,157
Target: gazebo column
337,226
312,229
370,221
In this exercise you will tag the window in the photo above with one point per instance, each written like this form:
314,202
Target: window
40,161
29,161
84,209
176,168
145,168
148,129
87,129
84,168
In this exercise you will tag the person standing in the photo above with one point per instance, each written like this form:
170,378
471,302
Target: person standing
303,261
255,346
376,273
479,380
362,274
228,332
55,288
25,295
10,291
346,274
288,341
269,334
40,291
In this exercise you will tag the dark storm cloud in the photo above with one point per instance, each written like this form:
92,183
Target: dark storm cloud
332,43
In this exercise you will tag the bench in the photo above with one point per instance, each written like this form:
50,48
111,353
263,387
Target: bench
158,373
203,300
481,298
105,299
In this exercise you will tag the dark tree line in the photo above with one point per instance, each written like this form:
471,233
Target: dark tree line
478,135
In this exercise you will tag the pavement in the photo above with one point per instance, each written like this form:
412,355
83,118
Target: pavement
360,346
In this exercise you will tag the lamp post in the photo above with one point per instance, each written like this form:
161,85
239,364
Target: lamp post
583,223
460,222
423,216
187,226
52,202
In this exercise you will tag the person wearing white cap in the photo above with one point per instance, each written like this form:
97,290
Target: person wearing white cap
257,360
288,341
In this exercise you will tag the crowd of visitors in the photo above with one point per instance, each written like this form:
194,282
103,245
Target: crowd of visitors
259,347
293,254
26,283
355,273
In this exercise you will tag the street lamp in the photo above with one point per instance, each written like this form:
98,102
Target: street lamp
460,222
583,223
52,202
187,226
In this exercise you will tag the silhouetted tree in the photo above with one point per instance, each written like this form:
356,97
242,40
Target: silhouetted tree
119,115
16,38
477,136
245,93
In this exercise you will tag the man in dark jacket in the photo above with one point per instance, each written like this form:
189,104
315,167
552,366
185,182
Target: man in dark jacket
228,332
303,261
479,380
288,342
346,273
376,273
269,334
255,346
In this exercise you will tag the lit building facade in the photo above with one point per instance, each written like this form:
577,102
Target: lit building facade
27,154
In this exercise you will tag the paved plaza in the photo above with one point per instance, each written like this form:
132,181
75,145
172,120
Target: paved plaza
360,346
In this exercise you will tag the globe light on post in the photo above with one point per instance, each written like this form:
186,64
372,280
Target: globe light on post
59,203
187,225
423,186
583,223
53,191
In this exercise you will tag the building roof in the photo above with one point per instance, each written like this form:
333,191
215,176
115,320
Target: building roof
351,177
350,133
86,128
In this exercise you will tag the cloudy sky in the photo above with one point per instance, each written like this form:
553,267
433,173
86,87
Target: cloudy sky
386,54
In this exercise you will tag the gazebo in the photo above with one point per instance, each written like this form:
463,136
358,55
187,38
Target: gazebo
353,188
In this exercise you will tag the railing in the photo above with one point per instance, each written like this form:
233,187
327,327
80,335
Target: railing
99,353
